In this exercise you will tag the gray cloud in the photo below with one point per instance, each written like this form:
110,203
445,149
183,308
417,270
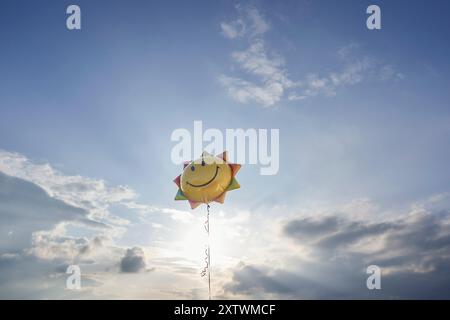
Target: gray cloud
331,232
413,253
419,235
25,208
133,261
258,281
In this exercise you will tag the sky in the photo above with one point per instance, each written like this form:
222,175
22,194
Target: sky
86,118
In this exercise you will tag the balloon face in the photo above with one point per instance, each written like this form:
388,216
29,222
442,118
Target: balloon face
205,179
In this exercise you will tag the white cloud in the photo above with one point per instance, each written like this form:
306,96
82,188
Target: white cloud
355,69
256,61
244,91
266,80
56,245
269,69
233,29
259,25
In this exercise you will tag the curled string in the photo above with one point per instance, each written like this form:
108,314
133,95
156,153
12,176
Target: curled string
207,270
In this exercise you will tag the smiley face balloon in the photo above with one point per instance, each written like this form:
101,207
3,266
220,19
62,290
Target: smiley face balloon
207,179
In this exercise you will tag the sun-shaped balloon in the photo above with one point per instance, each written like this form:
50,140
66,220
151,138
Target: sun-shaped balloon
207,179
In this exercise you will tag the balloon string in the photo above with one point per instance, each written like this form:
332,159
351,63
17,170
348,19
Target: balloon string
207,269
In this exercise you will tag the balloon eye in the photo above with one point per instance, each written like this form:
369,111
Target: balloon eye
203,163
192,168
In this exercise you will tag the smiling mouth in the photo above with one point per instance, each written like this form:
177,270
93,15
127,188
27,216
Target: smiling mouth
204,184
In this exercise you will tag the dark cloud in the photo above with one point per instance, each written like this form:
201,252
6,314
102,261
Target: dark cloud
25,208
32,258
419,233
133,261
327,280
248,278
333,232
258,281
413,253
308,227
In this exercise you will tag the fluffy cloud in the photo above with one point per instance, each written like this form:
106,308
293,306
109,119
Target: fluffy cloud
55,245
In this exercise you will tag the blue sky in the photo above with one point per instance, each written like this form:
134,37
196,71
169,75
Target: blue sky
363,118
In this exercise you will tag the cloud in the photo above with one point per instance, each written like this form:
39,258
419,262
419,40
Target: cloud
387,72
250,23
144,210
26,207
133,261
233,29
92,195
332,251
355,68
55,245
245,92
256,61
320,254
265,282
265,78
334,232
40,205
248,278
49,220
412,241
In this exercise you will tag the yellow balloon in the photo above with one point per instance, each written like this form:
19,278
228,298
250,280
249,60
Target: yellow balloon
207,179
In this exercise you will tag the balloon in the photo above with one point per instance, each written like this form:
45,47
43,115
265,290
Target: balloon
207,179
